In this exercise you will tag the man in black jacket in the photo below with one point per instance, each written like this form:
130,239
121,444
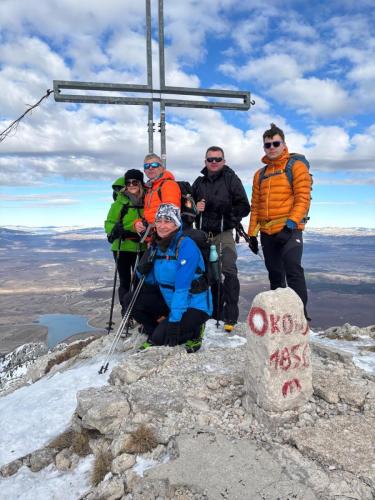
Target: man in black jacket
222,202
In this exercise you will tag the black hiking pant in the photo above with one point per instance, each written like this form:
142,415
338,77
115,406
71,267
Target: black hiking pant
225,296
125,262
150,307
283,263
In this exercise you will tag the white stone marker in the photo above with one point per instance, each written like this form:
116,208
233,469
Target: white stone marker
278,373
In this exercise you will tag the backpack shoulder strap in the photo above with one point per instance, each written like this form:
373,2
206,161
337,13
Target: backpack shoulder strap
175,256
262,174
124,211
159,188
293,157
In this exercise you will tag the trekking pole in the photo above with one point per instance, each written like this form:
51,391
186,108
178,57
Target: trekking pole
142,239
110,322
131,289
124,321
246,237
220,265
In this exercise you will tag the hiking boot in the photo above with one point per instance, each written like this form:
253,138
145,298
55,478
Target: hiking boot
229,325
146,345
195,344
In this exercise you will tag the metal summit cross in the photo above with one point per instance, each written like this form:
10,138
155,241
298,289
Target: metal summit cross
242,98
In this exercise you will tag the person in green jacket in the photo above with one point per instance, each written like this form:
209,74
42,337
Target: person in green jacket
119,225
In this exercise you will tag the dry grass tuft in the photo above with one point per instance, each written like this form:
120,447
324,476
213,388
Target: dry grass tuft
80,444
71,351
142,440
62,441
102,465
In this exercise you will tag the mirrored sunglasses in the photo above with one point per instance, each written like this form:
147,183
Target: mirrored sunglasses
216,159
132,182
275,144
154,164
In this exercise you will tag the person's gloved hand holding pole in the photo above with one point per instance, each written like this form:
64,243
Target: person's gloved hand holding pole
253,244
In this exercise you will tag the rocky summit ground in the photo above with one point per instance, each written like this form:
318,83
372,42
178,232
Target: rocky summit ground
171,425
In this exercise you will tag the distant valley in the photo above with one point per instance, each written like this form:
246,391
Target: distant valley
70,270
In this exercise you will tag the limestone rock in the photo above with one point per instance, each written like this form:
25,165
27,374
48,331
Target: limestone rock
157,399
41,458
349,332
11,468
111,489
278,372
122,463
153,489
228,469
337,388
66,460
345,442
104,409
139,366
92,349
121,444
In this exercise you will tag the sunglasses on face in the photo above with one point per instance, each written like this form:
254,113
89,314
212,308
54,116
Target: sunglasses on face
275,144
216,159
154,164
132,182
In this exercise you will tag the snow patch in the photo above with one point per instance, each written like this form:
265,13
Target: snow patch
48,483
32,415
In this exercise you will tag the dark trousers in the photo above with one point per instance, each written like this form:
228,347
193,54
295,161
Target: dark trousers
225,296
283,263
150,307
126,261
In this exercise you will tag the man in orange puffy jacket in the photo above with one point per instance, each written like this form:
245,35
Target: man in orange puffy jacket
160,188
278,210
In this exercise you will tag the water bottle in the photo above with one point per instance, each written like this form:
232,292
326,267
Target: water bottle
213,254
213,266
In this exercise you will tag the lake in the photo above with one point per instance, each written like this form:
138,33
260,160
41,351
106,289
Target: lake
63,326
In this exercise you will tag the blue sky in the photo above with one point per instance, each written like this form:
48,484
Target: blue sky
309,66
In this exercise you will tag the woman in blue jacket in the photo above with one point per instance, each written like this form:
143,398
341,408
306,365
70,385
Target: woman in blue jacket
175,300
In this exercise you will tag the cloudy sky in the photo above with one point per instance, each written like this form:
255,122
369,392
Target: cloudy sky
310,67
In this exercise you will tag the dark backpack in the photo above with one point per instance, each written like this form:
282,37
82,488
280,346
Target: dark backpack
288,170
201,239
188,207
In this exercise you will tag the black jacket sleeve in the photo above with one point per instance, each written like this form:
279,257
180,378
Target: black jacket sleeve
240,202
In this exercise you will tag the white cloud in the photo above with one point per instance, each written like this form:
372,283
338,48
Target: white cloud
250,32
312,95
273,68
298,28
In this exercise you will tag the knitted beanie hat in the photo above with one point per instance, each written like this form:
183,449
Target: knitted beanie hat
134,174
167,210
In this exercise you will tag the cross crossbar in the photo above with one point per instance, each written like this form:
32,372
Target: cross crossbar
241,100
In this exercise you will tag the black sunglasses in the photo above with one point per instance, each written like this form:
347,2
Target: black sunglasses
132,182
275,144
154,164
216,159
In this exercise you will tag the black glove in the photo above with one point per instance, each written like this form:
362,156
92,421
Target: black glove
146,262
284,235
118,231
173,334
253,244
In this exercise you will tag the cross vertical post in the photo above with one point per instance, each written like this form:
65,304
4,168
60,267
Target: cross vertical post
240,100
